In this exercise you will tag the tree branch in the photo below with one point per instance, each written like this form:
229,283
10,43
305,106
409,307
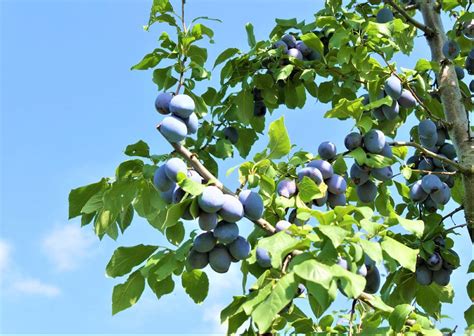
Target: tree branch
351,318
459,208
429,153
427,30
433,172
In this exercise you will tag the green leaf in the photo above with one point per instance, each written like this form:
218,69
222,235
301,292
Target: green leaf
345,109
140,148
188,185
334,233
314,271
415,226
196,284
372,249
278,246
279,144
399,315
313,41
359,156
78,197
352,284
127,294
162,287
175,233
457,192
308,190
226,54
401,253
469,316
250,35
174,213
320,298
104,219
470,269
284,72
125,259
282,294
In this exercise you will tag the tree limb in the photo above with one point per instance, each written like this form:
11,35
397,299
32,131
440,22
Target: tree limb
427,30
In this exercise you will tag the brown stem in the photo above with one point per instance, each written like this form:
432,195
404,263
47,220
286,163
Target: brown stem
452,213
427,30
351,318
433,172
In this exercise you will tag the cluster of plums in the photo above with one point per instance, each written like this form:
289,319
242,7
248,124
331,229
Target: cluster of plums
180,120
296,48
368,270
435,268
451,50
373,142
431,192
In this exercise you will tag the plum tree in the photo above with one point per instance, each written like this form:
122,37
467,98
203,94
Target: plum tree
384,197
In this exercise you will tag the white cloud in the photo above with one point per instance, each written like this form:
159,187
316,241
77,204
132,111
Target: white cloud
5,254
36,287
212,317
67,246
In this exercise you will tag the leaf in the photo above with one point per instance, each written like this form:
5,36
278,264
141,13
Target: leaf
127,294
314,271
232,308
174,213
175,233
321,298
78,197
196,284
313,41
188,185
226,54
104,219
398,316
250,35
308,190
282,294
334,233
284,72
372,249
160,288
345,109
140,148
359,155
352,284
415,226
469,316
278,246
125,258
279,144
401,253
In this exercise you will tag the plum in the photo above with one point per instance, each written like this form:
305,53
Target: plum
232,210
314,56
253,204
439,241
259,108
442,277
382,174
459,72
424,276
324,167
204,242
197,260
194,176
336,184
343,263
174,166
387,151
162,102
438,163
362,270
327,150
239,248
373,279
469,65
441,133
167,195
280,44
295,220
427,133
359,175
211,200
365,99
471,86
430,205
353,140
426,164
446,264
442,196
377,113
468,29
312,173
293,52
451,49
289,40
321,201
391,112
187,213
161,180
434,262
182,105
286,188
173,129
282,225
207,221
178,194
448,150
192,123
406,99
367,192
226,232
220,259
393,87
263,258
417,194
374,141
384,15
231,134
413,160
431,183
336,200
303,48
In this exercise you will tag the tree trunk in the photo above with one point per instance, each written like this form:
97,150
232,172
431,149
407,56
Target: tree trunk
456,114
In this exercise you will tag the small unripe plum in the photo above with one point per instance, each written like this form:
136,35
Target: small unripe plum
442,196
232,210
312,173
382,174
286,188
161,180
417,194
207,221
434,262
393,87
387,151
211,200
263,258
259,108
459,72
239,248
327,150
280,44
204,242
448,150
303,48
323,166
231,134
182,105
406,99
374,141
162,102
424,276
384,15
253,204
442,277
220,259
367,192
427,133
174,166
431,183
336,200
282,225
192,123
451,49
353,140
197,260
391,112
290,40
336,184
173,129
358,174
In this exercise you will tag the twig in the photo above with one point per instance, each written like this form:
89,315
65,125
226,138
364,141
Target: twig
451,333
451,214
456,227
430,154
433,172
182,60
427,30
351,318
286,262
411,7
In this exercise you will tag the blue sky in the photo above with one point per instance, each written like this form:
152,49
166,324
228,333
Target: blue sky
69,106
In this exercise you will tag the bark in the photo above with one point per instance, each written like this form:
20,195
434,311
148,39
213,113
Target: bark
455,112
